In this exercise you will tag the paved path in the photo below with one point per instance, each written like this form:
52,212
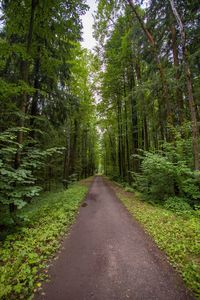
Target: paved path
107,256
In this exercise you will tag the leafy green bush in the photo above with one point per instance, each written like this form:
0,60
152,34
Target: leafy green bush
178,205
158,175
18,185
164,177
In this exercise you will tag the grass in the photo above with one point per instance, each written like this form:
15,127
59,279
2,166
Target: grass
178,236
24,255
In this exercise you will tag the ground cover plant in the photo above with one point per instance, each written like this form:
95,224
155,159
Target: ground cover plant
175,232
24,254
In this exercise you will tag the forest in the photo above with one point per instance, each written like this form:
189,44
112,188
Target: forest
150,88
128,110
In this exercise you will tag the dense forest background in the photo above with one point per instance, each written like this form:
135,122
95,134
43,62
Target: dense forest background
47,123
129,109
149,113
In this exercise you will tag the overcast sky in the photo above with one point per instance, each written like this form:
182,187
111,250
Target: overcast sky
88,40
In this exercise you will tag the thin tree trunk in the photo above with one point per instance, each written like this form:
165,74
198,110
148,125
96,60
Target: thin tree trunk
179,94
126,133
119,138
34,104
144,129
146,139
66,159
112,149
73,149
134,120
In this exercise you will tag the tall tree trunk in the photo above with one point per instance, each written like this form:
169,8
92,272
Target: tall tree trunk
188,76
134,120
145,130
24,76
126,133
112,147
151,40
34,104
73,149
119,137
179,94
66,158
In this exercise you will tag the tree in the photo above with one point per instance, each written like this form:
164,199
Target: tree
188,77
143,81
41,103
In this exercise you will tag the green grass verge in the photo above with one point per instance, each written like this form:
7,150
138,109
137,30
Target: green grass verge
24,255
178,236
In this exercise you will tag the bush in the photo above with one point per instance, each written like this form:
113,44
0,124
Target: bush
129,189
163,178
157,179
177,205
18,185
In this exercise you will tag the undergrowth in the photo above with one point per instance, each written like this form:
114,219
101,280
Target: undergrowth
24,255
178,235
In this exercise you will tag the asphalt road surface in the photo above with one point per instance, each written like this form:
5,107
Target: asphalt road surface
108,256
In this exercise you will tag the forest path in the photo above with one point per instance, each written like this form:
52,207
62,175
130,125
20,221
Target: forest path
107,256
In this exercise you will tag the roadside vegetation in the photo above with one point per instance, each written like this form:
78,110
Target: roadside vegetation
175,230
25,254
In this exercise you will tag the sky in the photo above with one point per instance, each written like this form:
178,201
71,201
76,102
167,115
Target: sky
88,40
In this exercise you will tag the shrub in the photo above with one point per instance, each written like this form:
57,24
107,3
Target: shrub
177,205
162,178
129,189
18,185
158,176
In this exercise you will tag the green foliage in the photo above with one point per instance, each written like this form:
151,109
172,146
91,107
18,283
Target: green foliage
158,174
178,205
129,189
163,176
47,116
18,185
174,233
24,254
